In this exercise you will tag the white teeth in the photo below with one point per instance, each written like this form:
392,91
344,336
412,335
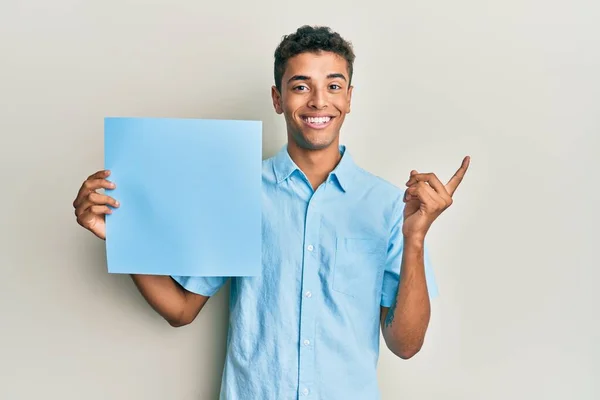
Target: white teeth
319,120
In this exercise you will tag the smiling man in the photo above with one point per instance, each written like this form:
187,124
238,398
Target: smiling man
343,250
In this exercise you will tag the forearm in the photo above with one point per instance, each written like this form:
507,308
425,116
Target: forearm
407,319
165,297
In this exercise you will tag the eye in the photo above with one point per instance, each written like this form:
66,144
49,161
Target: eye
299,87
335,86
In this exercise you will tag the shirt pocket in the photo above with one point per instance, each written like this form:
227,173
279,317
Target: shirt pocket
358,266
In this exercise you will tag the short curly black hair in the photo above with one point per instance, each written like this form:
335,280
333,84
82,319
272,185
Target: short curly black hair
313,39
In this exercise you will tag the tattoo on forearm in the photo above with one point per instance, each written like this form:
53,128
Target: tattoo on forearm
390,315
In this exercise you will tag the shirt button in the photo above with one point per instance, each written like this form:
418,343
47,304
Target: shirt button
305,391
310,247
308,294
306,342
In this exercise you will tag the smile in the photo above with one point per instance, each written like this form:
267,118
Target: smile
317,122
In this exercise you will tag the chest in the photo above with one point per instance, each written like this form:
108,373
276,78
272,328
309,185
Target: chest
338,240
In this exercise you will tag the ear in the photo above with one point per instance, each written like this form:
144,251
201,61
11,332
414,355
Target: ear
349,99
276,96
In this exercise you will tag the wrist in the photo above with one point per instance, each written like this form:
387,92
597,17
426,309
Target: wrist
414,242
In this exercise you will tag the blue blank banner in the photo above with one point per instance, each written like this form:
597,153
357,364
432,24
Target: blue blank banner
189,193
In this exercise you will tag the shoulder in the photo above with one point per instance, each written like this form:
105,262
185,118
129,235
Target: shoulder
383,199
376,185
267,168
380,195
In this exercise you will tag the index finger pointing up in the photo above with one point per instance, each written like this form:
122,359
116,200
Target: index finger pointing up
458,176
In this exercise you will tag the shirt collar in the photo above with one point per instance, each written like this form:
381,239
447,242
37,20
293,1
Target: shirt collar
284,166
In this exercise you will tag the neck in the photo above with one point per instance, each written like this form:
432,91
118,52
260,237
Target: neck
316,164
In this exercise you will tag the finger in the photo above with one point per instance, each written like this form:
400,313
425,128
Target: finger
423,192
415,177
100,210
432,200
103,173
96,207
83,207
458,176
95,199
102,199
406,194
91,185
411,205
432,180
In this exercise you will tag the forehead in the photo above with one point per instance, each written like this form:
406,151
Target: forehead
316,65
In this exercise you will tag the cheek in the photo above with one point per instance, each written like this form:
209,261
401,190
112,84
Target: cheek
290,108
342,105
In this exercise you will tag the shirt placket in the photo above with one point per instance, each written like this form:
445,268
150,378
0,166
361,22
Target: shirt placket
309,299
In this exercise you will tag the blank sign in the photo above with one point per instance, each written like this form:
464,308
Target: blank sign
189,193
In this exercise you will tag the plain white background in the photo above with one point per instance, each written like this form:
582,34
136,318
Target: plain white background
514,84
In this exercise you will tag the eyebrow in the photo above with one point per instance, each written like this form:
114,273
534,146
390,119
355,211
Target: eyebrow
307,78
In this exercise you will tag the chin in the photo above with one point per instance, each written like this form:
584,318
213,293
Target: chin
317,146
314,143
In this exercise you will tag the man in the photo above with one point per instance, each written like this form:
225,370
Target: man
343,250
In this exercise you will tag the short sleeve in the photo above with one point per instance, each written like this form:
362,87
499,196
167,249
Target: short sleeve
203,285
391,274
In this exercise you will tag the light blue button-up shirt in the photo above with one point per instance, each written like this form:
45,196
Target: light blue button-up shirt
308,326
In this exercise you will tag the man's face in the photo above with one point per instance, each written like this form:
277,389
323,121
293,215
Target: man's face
315,98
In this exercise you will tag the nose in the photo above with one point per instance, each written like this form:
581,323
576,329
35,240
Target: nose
318,100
